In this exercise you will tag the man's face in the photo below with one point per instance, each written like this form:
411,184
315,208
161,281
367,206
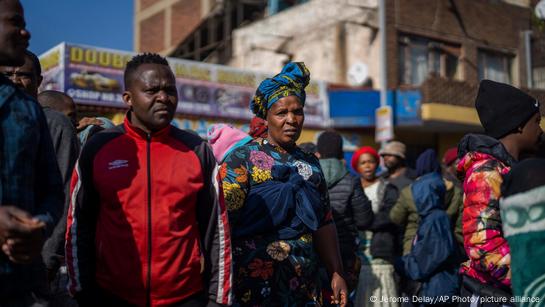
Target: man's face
13,35
25,77
391,162
285,121
531,134
153,97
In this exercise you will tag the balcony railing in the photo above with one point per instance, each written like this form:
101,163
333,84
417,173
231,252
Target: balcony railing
442,90
460,93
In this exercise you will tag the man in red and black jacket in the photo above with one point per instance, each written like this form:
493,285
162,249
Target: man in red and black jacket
147,224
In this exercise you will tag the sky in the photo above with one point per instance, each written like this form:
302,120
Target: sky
101,23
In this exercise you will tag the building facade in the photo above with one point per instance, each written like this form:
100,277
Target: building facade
160,25
440,48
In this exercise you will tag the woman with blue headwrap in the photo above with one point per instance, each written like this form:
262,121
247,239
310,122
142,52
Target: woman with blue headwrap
278,205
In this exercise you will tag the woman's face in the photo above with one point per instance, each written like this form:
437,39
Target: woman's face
285,121
367,166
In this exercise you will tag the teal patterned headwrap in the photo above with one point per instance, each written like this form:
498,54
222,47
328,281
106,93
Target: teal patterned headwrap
291,81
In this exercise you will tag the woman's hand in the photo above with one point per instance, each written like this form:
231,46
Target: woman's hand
340,290
327,246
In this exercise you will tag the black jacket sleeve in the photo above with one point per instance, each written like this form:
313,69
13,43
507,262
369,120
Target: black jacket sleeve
81,223
213,226
66,145
49,193
361,207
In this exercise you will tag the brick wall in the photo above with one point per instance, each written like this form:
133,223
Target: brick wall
152,33
392,63
468,62
490,22
163,24
485,24
185,17
538,47
147,3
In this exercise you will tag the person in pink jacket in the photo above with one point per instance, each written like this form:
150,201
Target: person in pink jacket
510,119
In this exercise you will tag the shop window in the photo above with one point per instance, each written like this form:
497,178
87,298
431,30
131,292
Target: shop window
494,66
419,58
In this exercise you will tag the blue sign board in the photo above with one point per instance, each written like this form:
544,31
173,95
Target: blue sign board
348,108
407,107
356,108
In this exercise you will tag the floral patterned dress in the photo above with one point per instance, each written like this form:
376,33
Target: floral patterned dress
269,271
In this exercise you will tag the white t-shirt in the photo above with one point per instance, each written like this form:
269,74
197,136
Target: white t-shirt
372,193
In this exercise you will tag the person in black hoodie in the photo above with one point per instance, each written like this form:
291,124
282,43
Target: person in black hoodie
351,208
510,119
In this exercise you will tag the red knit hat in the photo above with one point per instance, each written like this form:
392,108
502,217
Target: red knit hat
364,150
450,156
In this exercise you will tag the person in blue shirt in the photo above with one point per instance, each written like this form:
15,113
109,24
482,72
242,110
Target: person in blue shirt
31,194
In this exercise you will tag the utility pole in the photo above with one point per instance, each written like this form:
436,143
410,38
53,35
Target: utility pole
382,67
384,123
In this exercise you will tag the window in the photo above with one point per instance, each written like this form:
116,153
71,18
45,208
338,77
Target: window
539,77
494,66
419,58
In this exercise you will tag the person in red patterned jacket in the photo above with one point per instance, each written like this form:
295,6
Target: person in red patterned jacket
147,225
510,119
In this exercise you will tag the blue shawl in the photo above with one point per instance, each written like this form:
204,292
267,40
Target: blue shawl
285,207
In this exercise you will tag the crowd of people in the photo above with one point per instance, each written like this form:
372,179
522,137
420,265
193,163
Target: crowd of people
146,214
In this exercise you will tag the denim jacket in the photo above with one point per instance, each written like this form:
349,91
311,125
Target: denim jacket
29,175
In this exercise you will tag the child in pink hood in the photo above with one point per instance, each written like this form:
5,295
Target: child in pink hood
224,139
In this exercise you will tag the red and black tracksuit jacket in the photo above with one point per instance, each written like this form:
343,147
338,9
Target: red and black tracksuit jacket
144,208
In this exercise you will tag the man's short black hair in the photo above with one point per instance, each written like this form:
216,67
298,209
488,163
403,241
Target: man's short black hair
35,62
139,59
54,99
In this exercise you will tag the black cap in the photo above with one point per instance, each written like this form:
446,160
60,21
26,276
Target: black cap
503,108
330,145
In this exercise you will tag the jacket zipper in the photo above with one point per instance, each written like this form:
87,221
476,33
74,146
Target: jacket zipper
148,290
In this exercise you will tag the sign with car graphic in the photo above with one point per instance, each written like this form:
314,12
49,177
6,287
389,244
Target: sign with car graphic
94,76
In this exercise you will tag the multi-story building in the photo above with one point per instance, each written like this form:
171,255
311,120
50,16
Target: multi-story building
444,48
440,48
191,28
